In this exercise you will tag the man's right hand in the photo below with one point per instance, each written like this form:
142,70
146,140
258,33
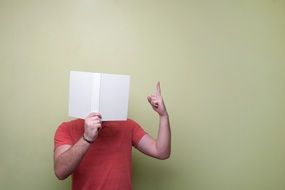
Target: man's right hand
92,125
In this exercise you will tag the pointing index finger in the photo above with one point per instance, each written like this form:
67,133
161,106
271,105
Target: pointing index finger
158,90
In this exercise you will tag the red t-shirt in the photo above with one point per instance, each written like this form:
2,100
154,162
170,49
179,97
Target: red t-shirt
107,163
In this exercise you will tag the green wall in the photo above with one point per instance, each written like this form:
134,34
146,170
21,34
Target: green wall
222,70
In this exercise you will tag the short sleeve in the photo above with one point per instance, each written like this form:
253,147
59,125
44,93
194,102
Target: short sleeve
62,136
137,132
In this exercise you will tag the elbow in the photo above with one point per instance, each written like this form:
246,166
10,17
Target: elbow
163,156
163,153
59,175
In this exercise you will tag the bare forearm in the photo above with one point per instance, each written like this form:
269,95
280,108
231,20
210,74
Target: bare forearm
67,162
163,141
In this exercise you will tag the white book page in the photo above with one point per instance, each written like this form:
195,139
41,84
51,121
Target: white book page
95,97
80,94
114,97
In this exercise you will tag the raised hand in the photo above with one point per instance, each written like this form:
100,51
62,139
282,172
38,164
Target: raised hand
156,101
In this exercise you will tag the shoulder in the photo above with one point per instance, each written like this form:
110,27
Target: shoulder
135,126
68,132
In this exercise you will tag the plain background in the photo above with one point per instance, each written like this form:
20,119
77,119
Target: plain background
221,65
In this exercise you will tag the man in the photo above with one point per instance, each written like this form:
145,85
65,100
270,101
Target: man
98,154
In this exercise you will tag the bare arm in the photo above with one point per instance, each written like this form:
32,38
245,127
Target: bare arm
68,157
161,146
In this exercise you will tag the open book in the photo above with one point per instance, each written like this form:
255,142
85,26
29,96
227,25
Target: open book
107,94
